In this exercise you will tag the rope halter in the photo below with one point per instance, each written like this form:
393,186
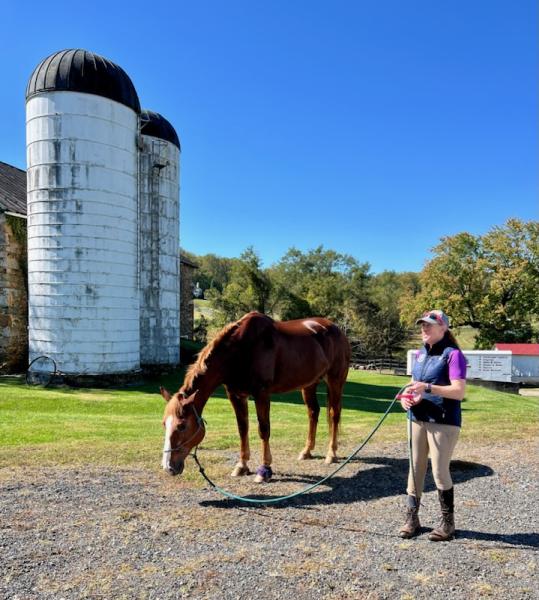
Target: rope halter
201,424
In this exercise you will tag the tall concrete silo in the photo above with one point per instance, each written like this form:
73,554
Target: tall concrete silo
82,115
159,169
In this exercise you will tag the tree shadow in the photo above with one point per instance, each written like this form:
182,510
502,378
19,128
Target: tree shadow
531,540
365,397
356,396
386,478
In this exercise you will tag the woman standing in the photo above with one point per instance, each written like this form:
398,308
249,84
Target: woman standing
437,388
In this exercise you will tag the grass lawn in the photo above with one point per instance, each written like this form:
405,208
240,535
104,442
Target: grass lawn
123,427
202,308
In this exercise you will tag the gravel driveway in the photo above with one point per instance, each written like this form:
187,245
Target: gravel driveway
134,533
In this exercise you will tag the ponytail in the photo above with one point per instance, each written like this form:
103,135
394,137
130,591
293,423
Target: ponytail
451,339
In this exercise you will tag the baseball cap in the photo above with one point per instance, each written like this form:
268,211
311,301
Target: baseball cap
435,317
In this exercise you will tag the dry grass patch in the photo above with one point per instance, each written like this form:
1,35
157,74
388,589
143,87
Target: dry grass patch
405,545
208,562
422,579
192,566
309,560
97,582
483,589
498,556
300,567
196,518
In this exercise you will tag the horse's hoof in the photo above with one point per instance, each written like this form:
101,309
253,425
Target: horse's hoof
329,460
240,471
305,455
263,474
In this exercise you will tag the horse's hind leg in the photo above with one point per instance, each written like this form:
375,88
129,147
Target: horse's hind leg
335,389
239,403
313,410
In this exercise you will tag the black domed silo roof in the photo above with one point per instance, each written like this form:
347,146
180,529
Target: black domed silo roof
154,124
83,71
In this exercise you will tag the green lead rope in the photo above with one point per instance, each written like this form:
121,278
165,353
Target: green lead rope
309,487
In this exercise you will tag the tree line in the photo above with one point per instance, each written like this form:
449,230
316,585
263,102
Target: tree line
489,282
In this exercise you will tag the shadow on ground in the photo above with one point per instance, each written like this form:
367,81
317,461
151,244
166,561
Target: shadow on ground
383,478
356,396
365,397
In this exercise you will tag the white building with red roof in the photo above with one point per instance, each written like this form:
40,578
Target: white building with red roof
509,365
525,361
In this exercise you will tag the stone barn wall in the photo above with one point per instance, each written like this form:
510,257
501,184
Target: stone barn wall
13,295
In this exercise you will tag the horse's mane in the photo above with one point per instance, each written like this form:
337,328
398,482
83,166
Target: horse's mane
200,366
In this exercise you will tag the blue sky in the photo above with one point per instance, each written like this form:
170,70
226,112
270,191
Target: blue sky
373,128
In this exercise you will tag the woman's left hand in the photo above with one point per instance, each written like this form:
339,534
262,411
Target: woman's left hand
418,387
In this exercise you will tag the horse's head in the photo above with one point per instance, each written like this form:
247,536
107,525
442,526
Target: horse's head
184,429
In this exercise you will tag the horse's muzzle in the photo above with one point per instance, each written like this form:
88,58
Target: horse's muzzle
175,469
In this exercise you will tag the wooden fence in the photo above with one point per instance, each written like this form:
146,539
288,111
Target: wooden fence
380,364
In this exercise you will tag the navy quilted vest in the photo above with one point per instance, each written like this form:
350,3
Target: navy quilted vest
432,367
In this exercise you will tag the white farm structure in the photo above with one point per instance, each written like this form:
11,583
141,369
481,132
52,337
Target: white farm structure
103,221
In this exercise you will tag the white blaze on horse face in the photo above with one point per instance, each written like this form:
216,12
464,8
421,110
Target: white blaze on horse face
314,326
169,424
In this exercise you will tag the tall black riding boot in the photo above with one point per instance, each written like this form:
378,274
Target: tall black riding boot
411,526
446,530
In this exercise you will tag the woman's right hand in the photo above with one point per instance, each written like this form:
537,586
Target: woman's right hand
408,400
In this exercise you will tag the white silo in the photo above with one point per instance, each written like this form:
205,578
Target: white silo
81,128
159,161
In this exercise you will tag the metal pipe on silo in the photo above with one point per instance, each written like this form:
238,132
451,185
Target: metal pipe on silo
159,168
81,128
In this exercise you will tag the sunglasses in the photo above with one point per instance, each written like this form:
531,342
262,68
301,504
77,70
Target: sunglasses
435,316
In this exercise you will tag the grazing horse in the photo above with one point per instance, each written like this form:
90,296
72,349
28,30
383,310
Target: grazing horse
257,356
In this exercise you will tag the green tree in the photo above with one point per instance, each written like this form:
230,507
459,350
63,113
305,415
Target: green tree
387,292
316,283
389,289
200,330
248,288
488,282
511,257
213,271
326,283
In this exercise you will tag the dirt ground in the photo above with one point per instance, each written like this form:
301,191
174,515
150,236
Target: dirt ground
135,533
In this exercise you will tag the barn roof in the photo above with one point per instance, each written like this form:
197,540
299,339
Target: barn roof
520,349
78,70
185,261
12,189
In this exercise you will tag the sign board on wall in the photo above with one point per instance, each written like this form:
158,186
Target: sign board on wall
489,365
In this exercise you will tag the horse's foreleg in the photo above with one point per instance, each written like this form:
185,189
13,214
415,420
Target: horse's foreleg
313,410
334,416
239,403
262,403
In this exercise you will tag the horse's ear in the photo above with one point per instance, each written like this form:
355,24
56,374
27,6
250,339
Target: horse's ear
165,393
187,400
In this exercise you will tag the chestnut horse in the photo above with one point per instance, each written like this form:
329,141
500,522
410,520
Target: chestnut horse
257,356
